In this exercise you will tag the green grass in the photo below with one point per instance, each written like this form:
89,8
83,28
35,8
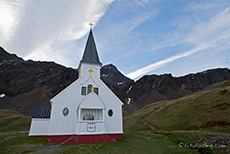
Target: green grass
206,109
184,120
11,121
134,142
18,143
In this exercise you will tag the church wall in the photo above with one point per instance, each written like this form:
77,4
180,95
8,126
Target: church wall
39,127
60,124
68,98
84,71
113,123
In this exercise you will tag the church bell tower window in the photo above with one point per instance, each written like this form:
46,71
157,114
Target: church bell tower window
96,90
83,90
89,88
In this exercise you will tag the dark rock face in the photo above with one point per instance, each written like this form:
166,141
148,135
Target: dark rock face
198,81
19,76
153,88
6,56
115,80
28,84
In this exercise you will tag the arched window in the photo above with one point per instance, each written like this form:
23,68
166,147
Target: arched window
89,88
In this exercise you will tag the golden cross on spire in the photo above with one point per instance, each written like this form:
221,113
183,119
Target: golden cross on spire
90,71
91,25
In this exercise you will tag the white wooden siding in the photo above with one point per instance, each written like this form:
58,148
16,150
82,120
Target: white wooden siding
39,127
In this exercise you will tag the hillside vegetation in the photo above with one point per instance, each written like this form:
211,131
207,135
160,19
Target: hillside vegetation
206,109
13,121
198,118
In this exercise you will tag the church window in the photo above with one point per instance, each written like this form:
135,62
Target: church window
89,88
65,111
83,90
91,114
96,90
110,113
88,117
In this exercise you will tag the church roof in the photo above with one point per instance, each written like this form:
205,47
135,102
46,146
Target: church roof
42,112
90,54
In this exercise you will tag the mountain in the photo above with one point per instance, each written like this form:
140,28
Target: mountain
153,88
27,84
116,81
194,124
206,109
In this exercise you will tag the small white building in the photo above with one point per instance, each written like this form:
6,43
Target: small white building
87,111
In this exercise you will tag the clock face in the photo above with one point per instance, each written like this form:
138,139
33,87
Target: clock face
65,111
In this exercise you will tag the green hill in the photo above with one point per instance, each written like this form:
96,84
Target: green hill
161,128
13,121
206,109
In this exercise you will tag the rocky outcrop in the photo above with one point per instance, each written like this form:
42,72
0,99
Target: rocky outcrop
4,56
198,81
115,80
153,88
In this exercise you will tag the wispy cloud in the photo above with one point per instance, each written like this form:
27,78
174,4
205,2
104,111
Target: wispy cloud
164,62
204,35
120,38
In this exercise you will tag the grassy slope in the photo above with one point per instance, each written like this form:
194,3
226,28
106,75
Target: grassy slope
177,121
14,139
202,114
207,109
12,121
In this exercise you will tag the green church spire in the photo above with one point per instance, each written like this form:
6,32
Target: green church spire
90,54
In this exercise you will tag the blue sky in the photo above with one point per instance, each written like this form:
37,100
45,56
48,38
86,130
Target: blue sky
138,36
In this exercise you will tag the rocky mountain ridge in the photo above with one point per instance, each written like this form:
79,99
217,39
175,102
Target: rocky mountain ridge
153,88
26,84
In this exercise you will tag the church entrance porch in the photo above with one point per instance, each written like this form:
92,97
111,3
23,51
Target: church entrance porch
91,121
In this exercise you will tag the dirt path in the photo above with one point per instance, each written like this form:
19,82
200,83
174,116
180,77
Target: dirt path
147,124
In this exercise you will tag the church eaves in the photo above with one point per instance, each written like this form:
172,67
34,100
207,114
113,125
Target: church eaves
90,54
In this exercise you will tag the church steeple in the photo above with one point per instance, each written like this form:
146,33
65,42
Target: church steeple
90,54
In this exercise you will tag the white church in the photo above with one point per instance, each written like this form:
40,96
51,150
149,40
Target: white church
87,111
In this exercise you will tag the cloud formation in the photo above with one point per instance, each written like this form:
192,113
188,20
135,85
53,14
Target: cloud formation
139,36
203,36
164,62
38,27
